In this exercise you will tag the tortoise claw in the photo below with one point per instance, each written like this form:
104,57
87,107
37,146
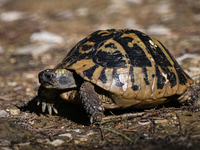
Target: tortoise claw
91,119
48,106
49,109
44,105
38,102
55,110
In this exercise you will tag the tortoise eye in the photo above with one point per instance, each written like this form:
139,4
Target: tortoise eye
49,76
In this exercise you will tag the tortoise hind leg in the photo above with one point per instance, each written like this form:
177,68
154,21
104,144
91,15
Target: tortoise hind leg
190,97
91,102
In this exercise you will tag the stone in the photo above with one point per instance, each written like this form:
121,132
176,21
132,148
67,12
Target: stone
194,70
83,139
34,49
76,130
161,122
133,2
162,8
14,111
46,37
64,15
69,135
185,56
158,30
82,12
116,6
130,23
3,113
194,38
11,16
197,17
89,132
56,142
76,142
4,142
1,50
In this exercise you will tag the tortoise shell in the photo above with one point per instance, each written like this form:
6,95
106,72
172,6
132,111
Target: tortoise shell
127,63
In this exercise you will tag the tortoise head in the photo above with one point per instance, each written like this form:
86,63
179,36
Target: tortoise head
57,79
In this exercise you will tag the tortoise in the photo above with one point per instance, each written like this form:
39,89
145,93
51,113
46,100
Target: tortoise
116,69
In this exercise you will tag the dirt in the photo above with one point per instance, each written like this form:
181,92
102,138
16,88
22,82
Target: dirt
25,126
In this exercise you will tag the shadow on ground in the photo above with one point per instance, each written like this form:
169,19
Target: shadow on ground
65,109
77,114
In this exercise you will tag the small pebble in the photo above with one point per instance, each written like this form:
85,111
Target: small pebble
83,139
76,142
116,6
194,38
12,83
89,132
82,12
85,135
197,17
6,148
194,69
1,50
158,30
33,49
161,122
162,8
56,142
76,130
64,15
69,135
131,23
3,113
11,16
184,56
134,2
14,111
45,36
4,142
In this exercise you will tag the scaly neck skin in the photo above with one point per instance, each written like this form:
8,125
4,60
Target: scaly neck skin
48,95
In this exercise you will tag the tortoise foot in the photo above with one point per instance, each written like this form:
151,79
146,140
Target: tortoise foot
91,102
49,106
190,97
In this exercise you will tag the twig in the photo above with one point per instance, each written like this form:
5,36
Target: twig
102,132
140,125
121,117
119,133
179,123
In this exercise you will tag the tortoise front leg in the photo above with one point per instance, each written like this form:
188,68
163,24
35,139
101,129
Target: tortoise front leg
48,97
91,102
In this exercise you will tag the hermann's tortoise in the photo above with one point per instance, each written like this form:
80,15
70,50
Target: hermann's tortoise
116,69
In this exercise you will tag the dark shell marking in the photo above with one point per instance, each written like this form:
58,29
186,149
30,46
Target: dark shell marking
127,63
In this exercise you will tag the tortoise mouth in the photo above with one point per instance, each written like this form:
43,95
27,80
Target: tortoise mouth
47,84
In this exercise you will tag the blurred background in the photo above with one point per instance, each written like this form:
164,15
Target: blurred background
37,34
